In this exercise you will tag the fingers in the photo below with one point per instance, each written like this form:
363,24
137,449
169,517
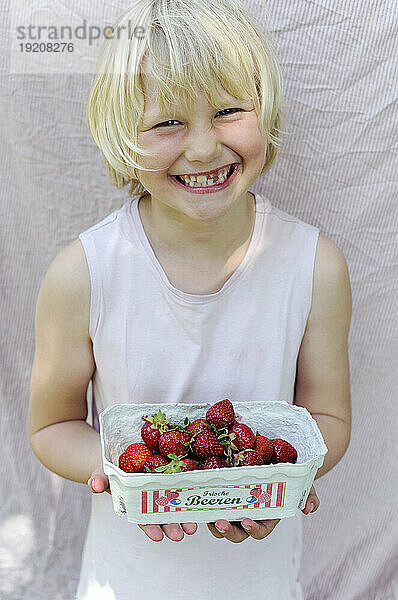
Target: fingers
231,531
259,529
237,532
214,531
190,528
154,532
98,483
173,531
312,503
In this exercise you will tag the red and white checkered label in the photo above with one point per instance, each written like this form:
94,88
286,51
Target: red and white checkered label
259,495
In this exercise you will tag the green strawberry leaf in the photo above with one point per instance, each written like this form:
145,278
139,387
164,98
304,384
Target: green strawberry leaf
161,468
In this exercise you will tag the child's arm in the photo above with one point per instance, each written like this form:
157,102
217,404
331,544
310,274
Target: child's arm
323,373
62,369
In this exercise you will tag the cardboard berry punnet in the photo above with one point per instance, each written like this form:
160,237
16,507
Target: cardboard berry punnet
269,491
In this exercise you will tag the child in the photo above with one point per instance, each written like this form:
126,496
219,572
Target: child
192,291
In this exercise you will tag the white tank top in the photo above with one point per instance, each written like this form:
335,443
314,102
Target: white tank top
153,342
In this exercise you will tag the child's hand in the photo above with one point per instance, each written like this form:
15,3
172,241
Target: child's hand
98,482
236,531
174,531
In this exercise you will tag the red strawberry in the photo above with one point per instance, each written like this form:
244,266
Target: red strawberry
221,414
214,462
256,492
206,444
196,426
173,442
153,428
247,458
150,436
190,465
264,447
155,461
283,451
132,460
177,464
245,437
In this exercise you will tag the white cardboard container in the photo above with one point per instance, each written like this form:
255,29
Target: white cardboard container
259,492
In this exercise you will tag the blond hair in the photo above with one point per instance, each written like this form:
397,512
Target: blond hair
192,46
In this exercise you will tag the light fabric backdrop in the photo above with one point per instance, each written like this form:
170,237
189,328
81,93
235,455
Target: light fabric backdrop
337,170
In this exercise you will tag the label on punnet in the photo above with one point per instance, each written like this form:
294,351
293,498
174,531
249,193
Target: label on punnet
217,497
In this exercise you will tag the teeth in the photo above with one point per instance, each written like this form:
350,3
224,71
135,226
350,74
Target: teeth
203,180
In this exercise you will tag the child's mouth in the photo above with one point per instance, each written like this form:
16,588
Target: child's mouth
203,184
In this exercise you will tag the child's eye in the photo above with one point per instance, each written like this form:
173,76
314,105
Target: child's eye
165,123
238,109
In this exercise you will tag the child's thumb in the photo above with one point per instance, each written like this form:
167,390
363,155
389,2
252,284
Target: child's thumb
98,482
312,502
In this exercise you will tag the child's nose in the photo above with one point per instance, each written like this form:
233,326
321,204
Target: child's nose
203,146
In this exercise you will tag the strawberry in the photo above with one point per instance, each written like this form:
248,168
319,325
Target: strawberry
132,460
173,442
190,465
264,447
247,457
244,436
153,428
206,444
221,414
214,462
150,436
196,426
283,451
155,461
177,464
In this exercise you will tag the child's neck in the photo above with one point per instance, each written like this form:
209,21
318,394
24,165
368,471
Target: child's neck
198,242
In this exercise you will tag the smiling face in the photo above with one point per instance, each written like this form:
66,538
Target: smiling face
198,142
